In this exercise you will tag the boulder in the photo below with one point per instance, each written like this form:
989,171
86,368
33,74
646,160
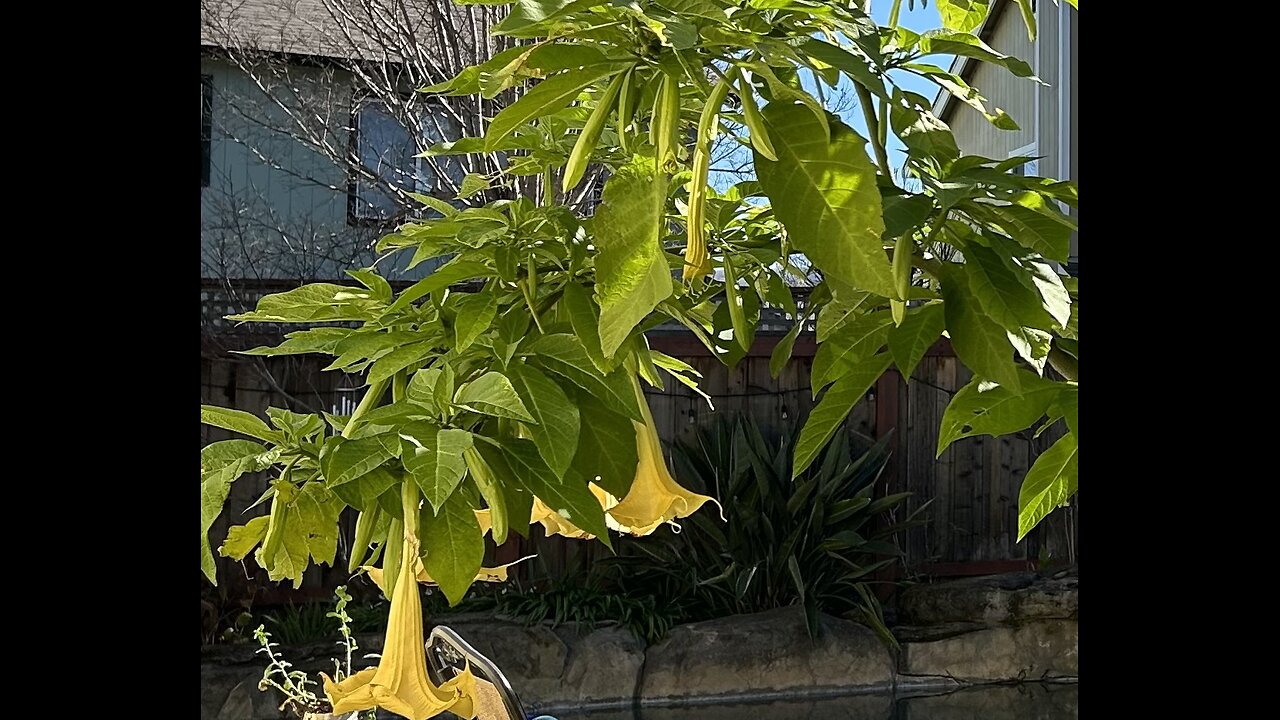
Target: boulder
1036,650
992,599
558,667
767,652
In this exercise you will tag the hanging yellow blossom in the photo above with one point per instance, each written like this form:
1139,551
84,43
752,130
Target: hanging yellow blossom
655,497
399,683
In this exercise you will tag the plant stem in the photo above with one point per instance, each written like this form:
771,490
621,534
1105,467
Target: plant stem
884,104
548,190
873,129
370,399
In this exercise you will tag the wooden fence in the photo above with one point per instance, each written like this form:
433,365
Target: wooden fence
972,487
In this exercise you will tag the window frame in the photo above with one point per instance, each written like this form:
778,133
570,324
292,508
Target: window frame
206,129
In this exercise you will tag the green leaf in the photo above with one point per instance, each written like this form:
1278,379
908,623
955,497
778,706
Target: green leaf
492,394
904,212
454,547
304,342
317,511
825,194
433,458
1057,301
963,15
452,272
221,464
402,358
846,348
1068,406
1029,16
1050,483
242,539
834,407
1033,230
568,496
858,69
363,492
742,332
782,351
981,408
632,273
472,183
950,42
342,460
317,302
920,130
979,341
475,314
238,421
842,310
564,355
909,342
552,94
525,13
584,318
376,284
1004,291
557,432
606,451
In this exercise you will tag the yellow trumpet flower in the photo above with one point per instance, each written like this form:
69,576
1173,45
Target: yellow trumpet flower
486,574
655,497
399,683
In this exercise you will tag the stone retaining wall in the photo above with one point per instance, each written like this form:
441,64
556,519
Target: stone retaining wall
978,631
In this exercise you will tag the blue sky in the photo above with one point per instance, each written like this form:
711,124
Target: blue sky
919,19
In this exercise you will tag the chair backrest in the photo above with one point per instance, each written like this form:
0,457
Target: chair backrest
448,654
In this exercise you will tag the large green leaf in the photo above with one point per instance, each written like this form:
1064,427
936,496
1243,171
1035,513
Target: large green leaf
569,496
904,212
548,96
452,272
221,464
454,547
981,408
606,451
858,69
342,460
557,432
1033,230
364,492
492,394
475,314
1004,291
525,13
238,421
846,348
1068,406
433,458
564,355
963,15
919,330
632,273
584,318
920,130
1050,483
834,407
402,358
288,559
304,342
317,511
316,302
950,42
825,194
980,342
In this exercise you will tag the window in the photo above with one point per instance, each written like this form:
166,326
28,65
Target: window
206,127
1026,169
387,148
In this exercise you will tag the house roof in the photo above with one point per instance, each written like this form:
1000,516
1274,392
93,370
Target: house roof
965,66
320,28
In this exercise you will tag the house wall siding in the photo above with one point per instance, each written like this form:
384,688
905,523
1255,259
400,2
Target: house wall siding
275,207
1002,89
